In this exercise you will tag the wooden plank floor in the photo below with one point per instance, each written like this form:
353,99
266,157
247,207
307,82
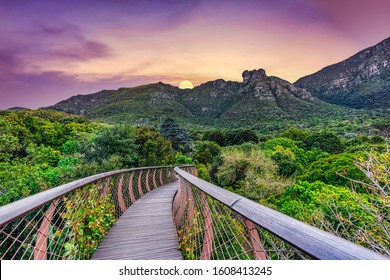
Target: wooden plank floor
145,231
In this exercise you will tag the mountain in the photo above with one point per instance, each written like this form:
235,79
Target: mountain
361,81
17,108
259,98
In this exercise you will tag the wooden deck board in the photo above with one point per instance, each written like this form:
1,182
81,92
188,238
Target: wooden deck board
145,231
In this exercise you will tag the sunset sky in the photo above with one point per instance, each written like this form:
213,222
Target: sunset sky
51,50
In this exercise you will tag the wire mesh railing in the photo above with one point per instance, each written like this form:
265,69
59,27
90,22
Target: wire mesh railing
213,223
69,221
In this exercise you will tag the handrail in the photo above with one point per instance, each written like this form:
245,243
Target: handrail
69,221
20,207
311,240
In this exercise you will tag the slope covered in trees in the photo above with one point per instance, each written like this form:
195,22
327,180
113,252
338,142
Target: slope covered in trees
336,179
43,149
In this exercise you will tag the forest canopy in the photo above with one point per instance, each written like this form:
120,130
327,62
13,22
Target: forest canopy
336,181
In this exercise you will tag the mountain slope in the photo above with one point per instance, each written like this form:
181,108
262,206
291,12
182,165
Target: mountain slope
258,98
361,81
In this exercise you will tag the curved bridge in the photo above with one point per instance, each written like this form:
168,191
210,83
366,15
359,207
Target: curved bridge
158,213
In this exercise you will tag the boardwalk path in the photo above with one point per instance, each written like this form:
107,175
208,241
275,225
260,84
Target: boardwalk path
145,231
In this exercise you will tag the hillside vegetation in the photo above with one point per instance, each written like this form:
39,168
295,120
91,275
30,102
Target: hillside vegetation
258,102
337,183
361,81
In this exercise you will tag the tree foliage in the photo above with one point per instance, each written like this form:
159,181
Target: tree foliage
216,136
153,148
206,152
178,136
326,141
251,173
334,170
110,142
240,136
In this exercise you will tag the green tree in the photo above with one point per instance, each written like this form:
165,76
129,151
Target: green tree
216,136
42,155
334,170
153,148
286,161
31,142
252,174
326,141
116,140
206,151
178,136
240,136
182,159
203,172
317,202
288,155
294,134
339,210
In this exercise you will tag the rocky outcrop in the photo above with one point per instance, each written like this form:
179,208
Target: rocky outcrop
270,87
253,76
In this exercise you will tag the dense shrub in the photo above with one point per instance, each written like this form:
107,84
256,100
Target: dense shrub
252,174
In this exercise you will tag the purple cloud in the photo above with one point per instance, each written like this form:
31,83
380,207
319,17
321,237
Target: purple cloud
82,51
47,88
46,34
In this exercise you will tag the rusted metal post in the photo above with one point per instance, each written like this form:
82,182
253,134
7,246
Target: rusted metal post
131,192
161,177
40,249
141,193
121,202
208,226
147,181
154,179
257,245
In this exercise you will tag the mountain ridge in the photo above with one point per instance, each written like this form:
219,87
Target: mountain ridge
257,98
360,81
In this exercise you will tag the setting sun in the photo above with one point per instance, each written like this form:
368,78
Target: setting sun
186,85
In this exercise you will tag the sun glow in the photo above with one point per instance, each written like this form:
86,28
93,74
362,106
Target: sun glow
186,85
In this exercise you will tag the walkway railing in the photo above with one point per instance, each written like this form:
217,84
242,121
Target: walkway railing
213,223
69,221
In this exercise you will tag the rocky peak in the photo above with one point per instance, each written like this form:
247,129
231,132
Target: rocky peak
254,75
269,87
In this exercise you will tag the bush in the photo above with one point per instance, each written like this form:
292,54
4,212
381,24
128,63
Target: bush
152,147
317,202
252,174
206,151
203,172
114,140
326,141
240,136
214,136
334,170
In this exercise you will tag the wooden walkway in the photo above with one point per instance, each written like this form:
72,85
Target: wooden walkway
145,231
